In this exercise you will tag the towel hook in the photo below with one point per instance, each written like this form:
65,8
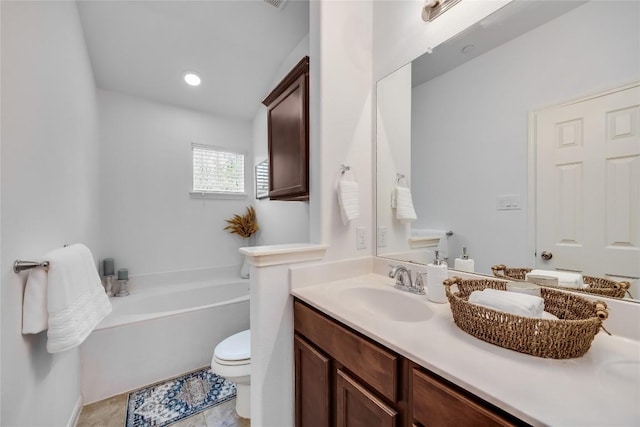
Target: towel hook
399,176
344,169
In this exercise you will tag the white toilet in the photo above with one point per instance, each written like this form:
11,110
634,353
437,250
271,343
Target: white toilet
232,360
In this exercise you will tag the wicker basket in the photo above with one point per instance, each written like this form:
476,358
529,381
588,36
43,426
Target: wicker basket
595,285
569,337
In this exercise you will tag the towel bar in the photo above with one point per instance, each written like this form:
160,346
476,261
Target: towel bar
19,265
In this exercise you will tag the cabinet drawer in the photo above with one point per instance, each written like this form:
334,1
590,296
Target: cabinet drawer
356,407
373,364
436,403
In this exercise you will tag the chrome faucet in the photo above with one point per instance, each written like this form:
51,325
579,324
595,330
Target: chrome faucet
403,280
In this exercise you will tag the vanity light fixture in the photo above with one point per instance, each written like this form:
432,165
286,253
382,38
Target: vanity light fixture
192,79
434,8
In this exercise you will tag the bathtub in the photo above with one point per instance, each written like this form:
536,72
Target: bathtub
159,332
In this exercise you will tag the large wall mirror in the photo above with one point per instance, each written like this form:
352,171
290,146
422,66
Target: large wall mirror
462,128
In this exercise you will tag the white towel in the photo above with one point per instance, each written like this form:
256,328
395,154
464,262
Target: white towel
349,200
565,278
509,302
404,202
74,296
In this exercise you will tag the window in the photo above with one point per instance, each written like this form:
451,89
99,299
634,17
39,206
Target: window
217,171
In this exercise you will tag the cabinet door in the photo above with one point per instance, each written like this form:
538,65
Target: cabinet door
288,135
437,404
312,385
357,407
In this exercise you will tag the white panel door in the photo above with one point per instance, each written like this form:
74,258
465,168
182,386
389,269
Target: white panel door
588,185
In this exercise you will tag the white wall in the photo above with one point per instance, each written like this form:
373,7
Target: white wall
341,120
150,223
280,221
49,191
476,117
393,129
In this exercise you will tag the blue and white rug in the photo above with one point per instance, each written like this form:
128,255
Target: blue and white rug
165,403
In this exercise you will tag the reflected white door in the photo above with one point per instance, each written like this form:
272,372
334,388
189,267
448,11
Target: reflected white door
588,185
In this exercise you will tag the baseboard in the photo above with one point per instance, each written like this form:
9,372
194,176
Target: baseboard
75,415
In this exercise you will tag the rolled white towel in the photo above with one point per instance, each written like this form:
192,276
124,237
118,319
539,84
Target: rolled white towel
566,279
509,302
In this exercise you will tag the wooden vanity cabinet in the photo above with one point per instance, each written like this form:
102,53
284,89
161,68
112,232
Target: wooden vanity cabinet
339,369
288,135
345,379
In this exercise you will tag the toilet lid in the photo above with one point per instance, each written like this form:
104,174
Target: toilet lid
236,347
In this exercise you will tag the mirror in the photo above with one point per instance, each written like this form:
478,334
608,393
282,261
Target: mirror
457,123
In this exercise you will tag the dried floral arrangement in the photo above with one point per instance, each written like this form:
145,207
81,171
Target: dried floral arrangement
245,225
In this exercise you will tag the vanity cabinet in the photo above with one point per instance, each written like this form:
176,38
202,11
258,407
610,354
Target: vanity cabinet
345,379
343,374
288,135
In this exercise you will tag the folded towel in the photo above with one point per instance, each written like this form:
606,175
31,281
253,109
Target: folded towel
509,302
565,278
349,200
404,205
75,299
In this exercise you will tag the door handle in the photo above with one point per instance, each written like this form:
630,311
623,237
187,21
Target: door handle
546,255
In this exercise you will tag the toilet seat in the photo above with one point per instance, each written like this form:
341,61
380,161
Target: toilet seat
231,362
234,350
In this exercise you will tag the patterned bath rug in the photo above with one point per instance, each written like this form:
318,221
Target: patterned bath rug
164,403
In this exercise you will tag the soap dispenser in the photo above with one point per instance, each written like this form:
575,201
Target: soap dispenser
464,263
436,274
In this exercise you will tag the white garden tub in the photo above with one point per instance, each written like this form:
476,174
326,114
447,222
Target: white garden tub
160,332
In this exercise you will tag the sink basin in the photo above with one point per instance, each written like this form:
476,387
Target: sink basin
388,304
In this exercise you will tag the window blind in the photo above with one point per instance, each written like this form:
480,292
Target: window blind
217,170
262,179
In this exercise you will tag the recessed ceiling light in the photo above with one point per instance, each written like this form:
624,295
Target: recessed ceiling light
192,79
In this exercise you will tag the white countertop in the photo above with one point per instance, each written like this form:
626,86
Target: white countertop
601,389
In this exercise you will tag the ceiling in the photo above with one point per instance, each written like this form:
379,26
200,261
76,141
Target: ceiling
143,48
507,23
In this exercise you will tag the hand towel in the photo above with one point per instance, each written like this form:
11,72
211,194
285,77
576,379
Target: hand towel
349,200
509,302
565,278
75,299
404,210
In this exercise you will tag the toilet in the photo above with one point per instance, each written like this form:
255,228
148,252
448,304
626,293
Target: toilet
232,361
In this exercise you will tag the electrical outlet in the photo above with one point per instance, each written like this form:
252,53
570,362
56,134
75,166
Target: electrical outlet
361,242
508,202
382,236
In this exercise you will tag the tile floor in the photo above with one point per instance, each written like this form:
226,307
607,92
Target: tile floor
111,413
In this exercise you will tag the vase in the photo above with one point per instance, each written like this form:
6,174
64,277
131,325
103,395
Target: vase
244,270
